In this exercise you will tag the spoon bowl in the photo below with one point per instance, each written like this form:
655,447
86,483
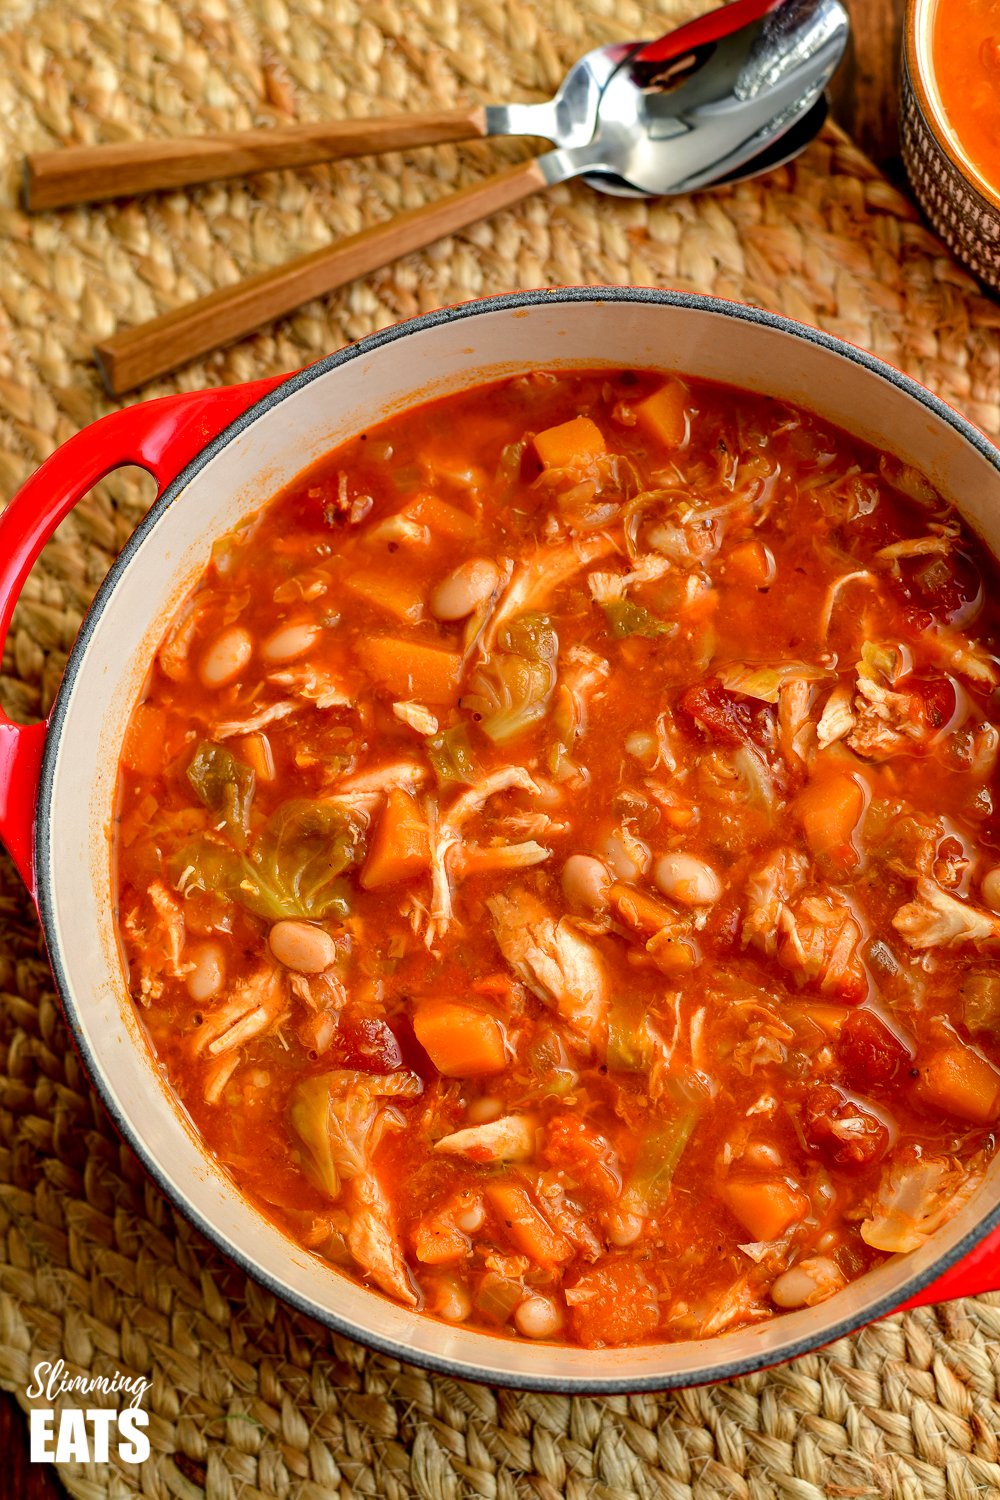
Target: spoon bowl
655,137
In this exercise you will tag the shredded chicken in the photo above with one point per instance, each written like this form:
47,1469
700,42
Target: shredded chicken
538,577
373,1241
314,685
417,716
176,649
796,732
939,543
553,960
939,920
886,722
956,653
171,915
814,936
477,858
161,943
445,836
837,719
820,944
583,674
611,588
511,1138
738,1304
769,890
254,722
256,1004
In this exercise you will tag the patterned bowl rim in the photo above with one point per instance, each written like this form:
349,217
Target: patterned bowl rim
917,62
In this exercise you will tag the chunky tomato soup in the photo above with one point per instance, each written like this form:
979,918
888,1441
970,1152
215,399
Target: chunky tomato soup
558,858
966,60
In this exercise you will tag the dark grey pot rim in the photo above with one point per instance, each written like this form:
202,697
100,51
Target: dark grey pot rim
46,837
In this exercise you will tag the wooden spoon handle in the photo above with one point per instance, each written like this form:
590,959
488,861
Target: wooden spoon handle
136,355
88,174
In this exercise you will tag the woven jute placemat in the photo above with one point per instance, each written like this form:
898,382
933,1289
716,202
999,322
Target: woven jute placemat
249,1399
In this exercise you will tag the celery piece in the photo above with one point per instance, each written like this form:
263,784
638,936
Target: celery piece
660,1151
627,1050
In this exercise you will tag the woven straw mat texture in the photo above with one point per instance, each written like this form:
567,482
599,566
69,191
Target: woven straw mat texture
249,1399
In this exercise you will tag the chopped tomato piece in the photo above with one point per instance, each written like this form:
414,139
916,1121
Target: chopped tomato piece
869,1051
613,1303
847,1134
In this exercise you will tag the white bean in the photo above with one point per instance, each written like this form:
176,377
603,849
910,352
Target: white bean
586,882
538,1317
452,1301
464,589
762,1154
989,887
471,1216
302,946
289,641
809,1282
623,1228
484,1109
687,879
206,978
627,855
226,657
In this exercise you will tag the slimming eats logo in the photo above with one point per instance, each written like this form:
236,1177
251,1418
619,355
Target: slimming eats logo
74,1436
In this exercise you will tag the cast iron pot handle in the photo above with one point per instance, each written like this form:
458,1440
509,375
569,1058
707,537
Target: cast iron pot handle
978,1271
160,436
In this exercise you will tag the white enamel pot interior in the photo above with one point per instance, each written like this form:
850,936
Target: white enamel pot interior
310,413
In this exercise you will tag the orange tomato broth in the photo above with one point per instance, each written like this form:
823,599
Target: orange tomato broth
965,52
614,960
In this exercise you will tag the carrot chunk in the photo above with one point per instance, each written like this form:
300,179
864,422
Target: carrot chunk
829,810
533,1236
462,1041
442,519
400,847
145,741
765,1206
961,1082
393,592
750,562
255,750
409,669
570,443
663,415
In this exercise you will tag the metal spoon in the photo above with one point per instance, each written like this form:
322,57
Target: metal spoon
743,91
752,87
90,174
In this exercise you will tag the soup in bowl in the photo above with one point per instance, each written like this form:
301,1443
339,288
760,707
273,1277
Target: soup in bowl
516,839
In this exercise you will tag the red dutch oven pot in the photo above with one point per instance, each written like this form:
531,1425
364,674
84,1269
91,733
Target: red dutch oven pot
216,455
